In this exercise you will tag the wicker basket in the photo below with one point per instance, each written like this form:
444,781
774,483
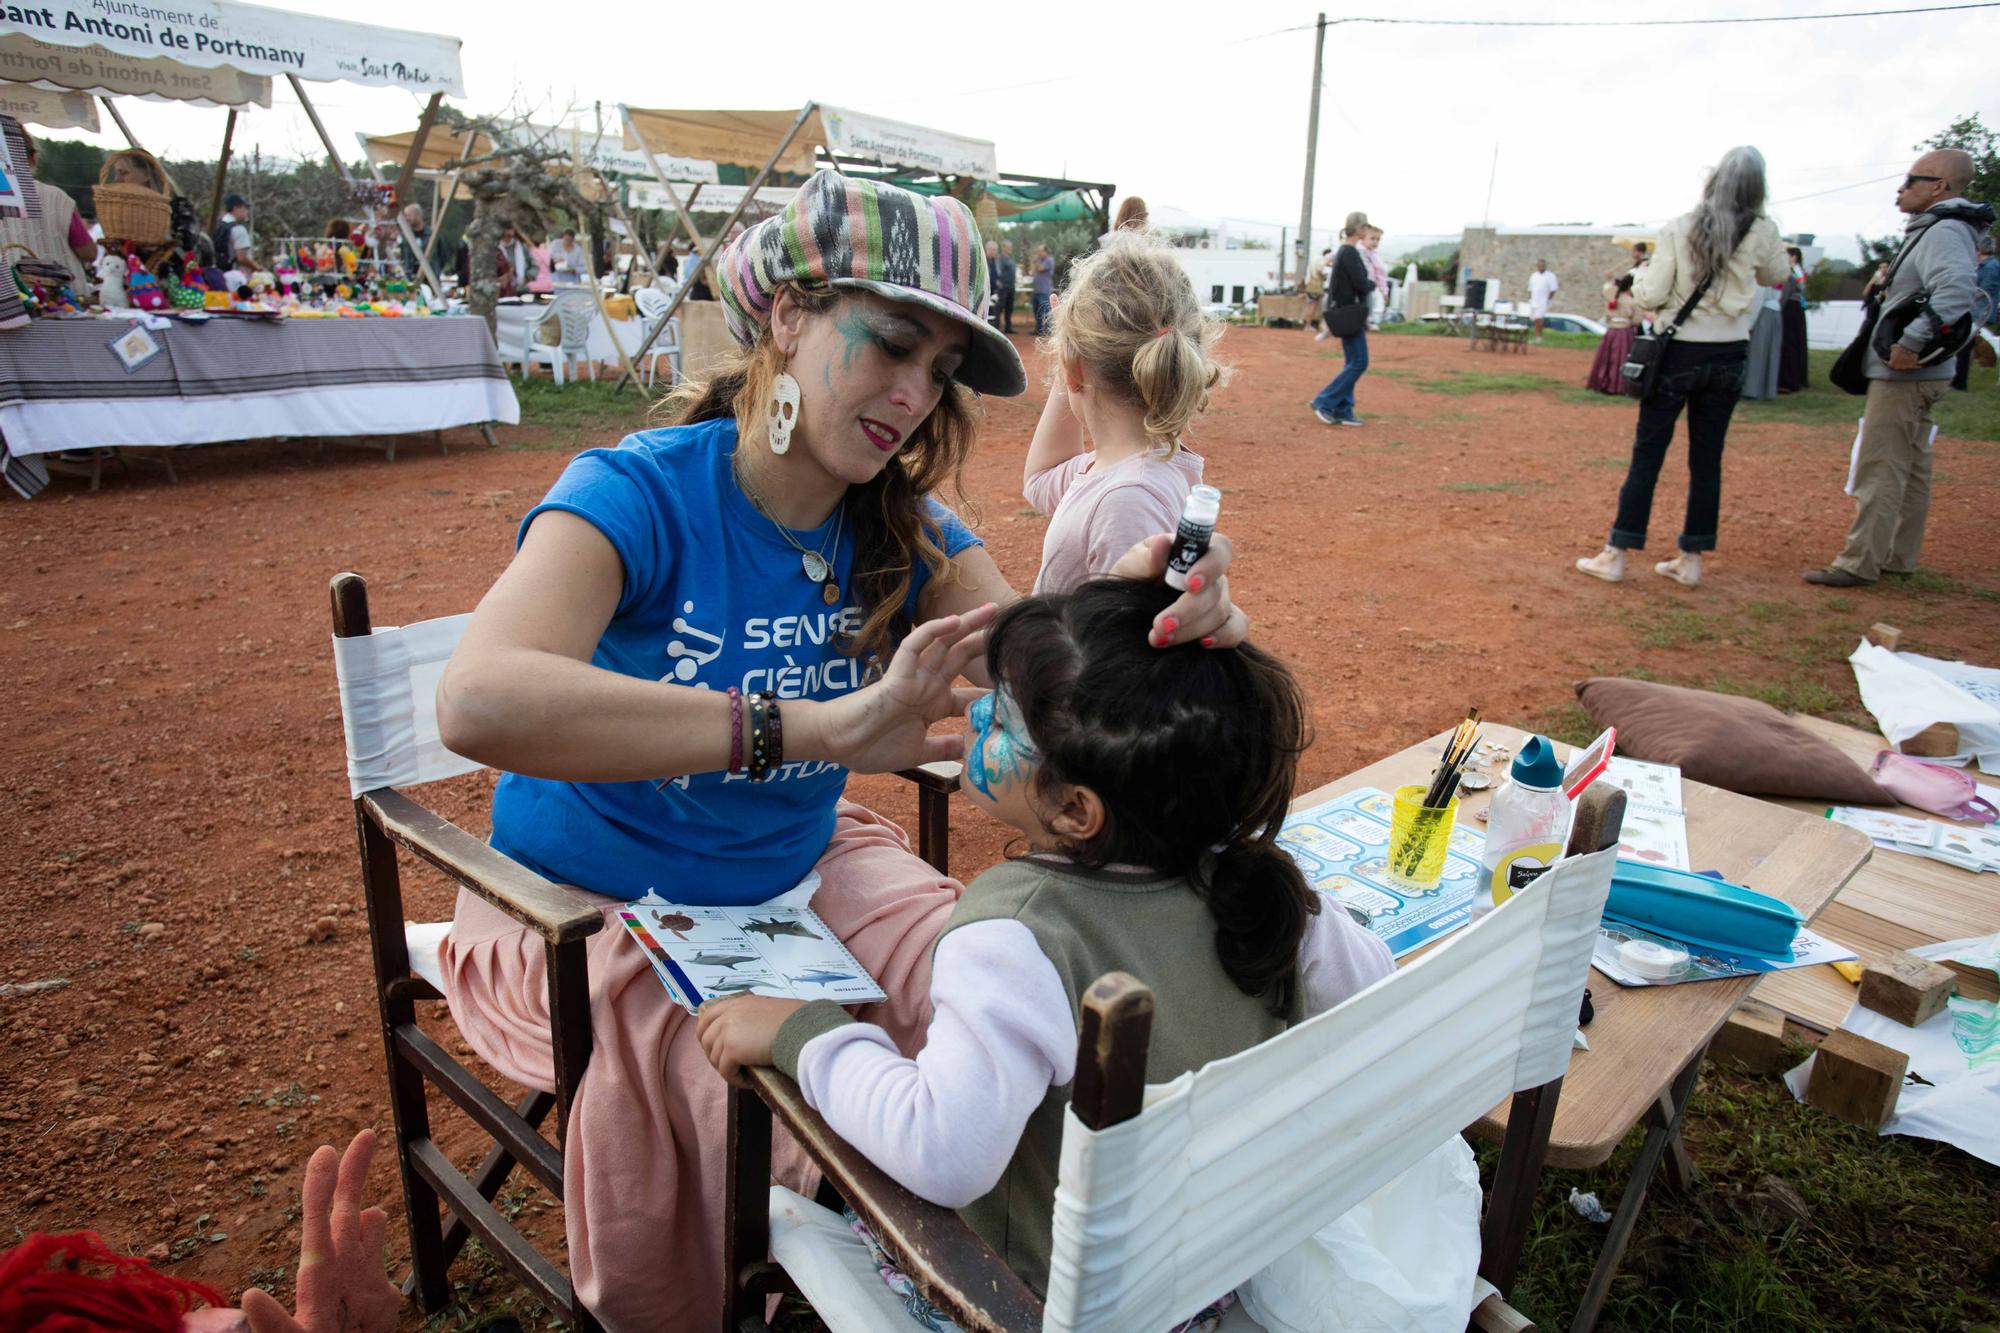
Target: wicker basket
132,213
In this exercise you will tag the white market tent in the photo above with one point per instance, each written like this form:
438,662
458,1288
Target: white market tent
218,53
51,110
787,141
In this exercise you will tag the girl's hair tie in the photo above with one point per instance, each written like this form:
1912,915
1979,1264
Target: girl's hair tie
1164,331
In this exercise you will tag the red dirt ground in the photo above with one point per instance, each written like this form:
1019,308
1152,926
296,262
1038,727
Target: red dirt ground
173,763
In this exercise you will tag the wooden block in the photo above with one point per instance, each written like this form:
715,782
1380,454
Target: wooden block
1932,742
1906,988
1884,636
1855,1079
1753,1038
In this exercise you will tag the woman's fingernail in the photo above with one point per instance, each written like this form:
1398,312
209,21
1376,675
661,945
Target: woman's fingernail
1208,641
1196,583
1168,626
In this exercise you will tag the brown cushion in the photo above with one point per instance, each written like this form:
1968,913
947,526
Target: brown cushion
1741,745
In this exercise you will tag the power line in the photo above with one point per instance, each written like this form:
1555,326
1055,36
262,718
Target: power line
1623,23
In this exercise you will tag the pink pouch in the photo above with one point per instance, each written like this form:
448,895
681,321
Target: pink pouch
1943,791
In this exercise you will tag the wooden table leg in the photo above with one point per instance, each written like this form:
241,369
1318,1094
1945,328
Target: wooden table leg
486,429
1658,1136
1504,1232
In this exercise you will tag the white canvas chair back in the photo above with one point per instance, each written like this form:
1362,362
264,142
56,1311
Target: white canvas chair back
388,704
1232,1165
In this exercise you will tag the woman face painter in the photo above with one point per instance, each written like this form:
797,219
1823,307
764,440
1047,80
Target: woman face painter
702,632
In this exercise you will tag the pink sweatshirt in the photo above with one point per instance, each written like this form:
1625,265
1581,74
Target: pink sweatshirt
1097,513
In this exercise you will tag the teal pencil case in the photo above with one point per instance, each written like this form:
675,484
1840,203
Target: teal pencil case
1707,913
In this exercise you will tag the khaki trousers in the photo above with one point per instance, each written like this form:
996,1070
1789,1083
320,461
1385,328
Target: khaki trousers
1892,479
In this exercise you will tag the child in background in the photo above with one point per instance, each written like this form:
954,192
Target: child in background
1131,353
1150,786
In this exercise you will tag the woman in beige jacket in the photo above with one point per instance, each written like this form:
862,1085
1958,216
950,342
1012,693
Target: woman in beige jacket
1729,243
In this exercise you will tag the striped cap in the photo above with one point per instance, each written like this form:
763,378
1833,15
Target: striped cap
842,232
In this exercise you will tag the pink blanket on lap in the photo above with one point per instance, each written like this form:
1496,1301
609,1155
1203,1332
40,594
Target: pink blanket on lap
643,1164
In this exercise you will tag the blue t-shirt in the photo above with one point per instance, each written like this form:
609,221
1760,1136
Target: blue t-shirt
713,596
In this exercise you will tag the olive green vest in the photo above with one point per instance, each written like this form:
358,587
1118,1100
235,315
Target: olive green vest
1090,922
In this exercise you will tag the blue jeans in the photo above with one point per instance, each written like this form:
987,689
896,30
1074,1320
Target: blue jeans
1041,301
1706,379
1337,398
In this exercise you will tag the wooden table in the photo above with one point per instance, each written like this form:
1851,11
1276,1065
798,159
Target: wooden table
1646,1043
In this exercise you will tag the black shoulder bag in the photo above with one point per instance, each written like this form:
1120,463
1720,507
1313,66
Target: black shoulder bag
1641,370
1850,368
1346,318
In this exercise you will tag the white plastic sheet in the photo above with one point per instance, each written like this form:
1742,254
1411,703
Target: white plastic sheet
388,704
1908,693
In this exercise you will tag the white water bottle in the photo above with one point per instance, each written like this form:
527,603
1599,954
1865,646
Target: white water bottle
1525,827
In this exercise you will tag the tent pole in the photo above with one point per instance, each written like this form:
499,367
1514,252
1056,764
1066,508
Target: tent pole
326,140
660,175
702,257
638,242
123,128
449,193
408,174
221,170
402,227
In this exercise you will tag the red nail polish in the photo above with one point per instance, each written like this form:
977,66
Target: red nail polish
1168,626
1196,583
1208,641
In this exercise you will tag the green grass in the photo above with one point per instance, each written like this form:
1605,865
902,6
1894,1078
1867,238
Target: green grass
579,415
1492,487
1582,397
1960,416
1433,329
1670,625
1459,383
1897,1233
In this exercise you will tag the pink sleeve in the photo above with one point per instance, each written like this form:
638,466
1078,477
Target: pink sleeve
1046,488
79,235
1127,513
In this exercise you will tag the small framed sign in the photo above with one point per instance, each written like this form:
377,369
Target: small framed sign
134,347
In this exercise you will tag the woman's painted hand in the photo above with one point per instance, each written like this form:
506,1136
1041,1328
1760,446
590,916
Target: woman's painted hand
1203,614
885,726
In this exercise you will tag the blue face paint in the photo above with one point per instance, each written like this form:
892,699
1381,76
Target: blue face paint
1012,756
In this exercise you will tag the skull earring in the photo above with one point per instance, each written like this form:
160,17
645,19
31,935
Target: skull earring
781,413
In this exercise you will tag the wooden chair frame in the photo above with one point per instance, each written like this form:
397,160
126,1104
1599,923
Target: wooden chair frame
959,1272
387,820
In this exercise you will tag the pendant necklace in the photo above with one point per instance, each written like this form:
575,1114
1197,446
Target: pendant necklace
816,565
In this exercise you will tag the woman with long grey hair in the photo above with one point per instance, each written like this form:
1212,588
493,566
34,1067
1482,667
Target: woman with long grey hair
1724,253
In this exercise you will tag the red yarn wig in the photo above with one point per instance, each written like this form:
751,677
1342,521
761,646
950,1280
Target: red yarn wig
45,1288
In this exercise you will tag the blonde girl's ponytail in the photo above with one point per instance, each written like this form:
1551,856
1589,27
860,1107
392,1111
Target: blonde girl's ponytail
1130,316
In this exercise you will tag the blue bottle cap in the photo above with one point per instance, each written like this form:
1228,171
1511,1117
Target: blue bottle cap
1537,766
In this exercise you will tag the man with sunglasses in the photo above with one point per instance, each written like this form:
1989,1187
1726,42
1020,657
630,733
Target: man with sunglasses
1892,469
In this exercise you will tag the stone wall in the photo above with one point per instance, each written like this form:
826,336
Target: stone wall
1581,264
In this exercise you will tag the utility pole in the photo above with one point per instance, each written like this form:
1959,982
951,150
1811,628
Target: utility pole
1312,156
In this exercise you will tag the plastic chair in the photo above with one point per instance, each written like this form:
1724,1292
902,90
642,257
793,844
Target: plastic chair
575,310
388,684
1169,1196
653,305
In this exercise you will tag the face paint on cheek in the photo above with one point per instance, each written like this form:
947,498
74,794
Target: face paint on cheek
855,337
994,757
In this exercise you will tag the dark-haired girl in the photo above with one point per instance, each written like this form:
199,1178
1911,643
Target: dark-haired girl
1150,787
1620,310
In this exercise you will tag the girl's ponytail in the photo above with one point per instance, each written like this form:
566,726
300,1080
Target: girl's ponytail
1262,905
1172,375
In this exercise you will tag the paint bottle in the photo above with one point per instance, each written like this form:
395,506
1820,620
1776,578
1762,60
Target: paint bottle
1525,827
1198,515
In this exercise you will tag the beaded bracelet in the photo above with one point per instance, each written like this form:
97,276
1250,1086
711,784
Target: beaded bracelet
735,729
767,737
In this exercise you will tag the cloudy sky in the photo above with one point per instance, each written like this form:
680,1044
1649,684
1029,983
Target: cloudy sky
1207,112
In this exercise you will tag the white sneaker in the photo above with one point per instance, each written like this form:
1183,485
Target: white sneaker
1608,564
1684,568
1320,337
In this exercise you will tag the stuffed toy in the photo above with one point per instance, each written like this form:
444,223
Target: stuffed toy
111,282
142,289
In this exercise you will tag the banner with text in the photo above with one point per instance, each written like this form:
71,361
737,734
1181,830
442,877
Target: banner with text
47,108
92,69
900,144
250,38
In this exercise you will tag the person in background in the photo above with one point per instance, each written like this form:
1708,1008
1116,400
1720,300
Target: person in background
1792,324
1349,286
1378,273
1767,344
993,296
1893,457
1316,293
139,167
420,232
1005,275
1132,214
515,265
58,235
1986,277
1542,287
1325,272
231,236
1607,369
669,267
1728,242
1044,292
568,265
